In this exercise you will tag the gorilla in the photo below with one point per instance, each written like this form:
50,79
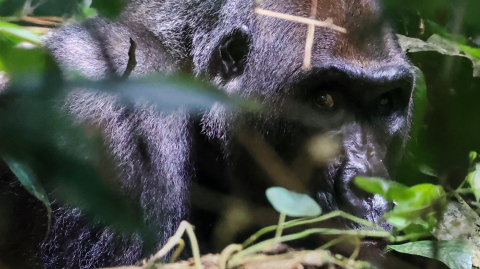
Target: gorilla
356,94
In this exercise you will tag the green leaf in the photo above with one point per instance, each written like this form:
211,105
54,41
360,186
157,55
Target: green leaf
87,10
475,52
425,195
414,212
108,8
168,94
399,222
427,170
472,156
30,182
390,190
455,254
63,156
420,103
416,231
292,204
473,179
86,3
9,29
443,46
372,185
25,66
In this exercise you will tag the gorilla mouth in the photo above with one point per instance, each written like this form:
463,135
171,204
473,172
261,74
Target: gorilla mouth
333,189
331,184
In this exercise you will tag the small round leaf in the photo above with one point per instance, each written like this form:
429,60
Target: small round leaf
292,204
472,156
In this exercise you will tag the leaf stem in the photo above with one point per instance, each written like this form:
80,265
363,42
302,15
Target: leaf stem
297,222
237,258
184,226
464,190
281,222
178,251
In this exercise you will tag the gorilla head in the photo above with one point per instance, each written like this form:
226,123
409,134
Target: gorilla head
356,95
357,92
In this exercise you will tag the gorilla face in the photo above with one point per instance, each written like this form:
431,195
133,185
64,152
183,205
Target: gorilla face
357,92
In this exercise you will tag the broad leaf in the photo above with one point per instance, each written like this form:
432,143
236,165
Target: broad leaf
472,156
473,179
425,195
455,254
390,190
291,203
427,170
108,8
30,182
420,104
416,207
168,94
18,32
443,46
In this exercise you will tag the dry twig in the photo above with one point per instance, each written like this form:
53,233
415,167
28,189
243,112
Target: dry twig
312,22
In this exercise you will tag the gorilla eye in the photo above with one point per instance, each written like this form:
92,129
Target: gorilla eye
324,100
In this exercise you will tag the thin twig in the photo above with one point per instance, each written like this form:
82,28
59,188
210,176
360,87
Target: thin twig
269,160
333,242
298,222
238,258
327,23
357,249
39,21
281,221
184,226
178,251
310,35
39,3
308,47
227,253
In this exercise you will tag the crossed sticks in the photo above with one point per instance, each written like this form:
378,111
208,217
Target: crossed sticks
312,22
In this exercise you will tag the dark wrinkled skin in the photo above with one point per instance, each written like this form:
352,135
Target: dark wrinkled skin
250,55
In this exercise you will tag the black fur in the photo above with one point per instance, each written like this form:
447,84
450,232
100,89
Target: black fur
250,55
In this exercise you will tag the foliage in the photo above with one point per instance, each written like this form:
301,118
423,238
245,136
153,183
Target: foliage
444,46
473,177
455,254
16,34
108,8
420,210
416,208
292,204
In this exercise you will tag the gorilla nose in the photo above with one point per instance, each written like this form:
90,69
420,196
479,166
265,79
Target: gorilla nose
362,158
367,165
375,167
363,204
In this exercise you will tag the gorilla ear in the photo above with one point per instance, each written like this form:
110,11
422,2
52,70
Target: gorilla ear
230,54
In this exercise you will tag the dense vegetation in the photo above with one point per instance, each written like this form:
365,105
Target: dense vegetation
437,196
